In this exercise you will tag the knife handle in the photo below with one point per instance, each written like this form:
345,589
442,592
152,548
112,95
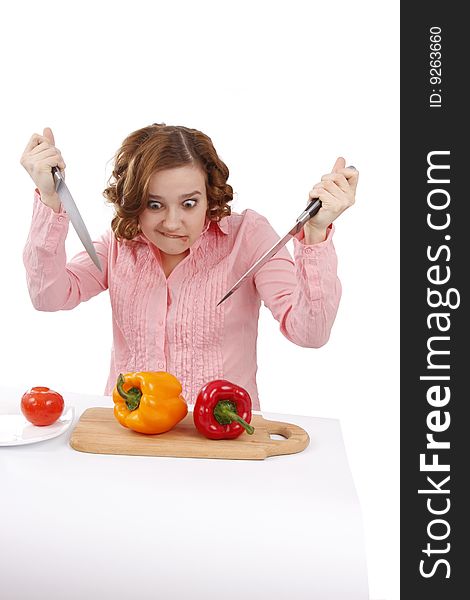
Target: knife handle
311,210
57,175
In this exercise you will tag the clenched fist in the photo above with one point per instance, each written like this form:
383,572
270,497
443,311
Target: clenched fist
337,192
38,158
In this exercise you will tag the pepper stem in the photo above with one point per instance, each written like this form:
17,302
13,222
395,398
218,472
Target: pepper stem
225,411
132,397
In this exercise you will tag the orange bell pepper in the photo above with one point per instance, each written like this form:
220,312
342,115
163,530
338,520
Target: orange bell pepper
149,402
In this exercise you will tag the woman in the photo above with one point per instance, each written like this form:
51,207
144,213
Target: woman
174,248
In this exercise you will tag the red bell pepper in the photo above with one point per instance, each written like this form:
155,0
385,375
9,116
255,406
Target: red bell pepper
222,410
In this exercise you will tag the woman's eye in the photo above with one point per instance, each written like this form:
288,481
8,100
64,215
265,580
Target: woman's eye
189,203
153,204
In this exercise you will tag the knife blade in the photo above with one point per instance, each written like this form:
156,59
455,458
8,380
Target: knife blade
311,210
75,216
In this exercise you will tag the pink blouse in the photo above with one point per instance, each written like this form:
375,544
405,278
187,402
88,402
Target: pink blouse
173,324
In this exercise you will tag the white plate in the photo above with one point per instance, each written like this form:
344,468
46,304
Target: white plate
16,430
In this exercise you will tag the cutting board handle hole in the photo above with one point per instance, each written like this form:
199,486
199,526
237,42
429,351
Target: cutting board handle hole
276,436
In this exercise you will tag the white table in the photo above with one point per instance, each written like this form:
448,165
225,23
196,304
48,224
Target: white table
78,526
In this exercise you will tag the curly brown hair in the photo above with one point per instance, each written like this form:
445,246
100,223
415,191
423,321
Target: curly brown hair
154,148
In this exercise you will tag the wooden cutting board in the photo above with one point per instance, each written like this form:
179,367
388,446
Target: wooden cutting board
98,432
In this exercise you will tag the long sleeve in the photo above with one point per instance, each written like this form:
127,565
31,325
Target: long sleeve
304,296
53,283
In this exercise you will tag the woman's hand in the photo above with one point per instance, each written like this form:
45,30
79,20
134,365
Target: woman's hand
337,192
38,158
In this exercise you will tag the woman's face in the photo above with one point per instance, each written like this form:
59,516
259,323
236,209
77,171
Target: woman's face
176,209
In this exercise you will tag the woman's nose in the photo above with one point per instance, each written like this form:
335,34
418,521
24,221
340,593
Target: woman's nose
172,220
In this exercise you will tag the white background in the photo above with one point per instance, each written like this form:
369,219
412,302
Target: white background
282,89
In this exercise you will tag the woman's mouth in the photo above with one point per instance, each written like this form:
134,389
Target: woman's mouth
172,236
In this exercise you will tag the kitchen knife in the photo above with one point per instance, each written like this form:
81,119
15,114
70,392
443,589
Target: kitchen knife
74,215
307,214
311,210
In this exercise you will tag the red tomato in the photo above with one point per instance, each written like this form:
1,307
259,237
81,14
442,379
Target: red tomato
42,406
